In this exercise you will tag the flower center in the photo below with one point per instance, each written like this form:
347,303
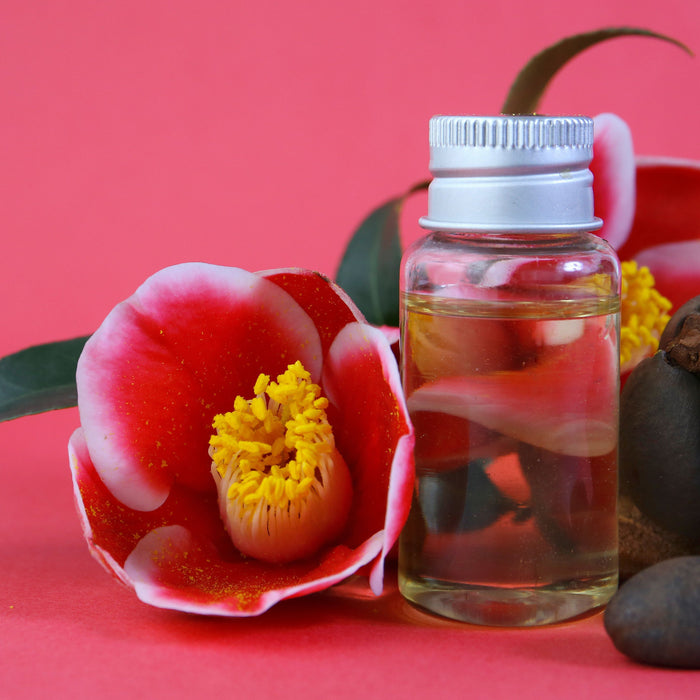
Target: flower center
284,489
643,315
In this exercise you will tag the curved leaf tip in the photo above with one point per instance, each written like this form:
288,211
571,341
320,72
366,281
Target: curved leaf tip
529,85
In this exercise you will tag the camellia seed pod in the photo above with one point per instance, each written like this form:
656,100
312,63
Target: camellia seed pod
655,616
660,429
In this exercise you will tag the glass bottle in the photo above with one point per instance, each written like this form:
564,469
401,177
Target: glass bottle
510,365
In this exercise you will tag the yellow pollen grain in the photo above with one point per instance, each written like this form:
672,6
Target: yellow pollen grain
259,407
643,317
261,384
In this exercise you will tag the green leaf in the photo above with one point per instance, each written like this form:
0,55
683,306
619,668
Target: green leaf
369,269
40,378
530,84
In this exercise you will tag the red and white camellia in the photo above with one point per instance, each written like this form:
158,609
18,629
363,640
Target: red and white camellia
219,406
650,208
665,233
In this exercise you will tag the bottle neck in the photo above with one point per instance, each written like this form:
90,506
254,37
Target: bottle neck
538,201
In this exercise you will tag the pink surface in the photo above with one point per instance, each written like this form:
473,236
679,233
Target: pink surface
69,630
136,135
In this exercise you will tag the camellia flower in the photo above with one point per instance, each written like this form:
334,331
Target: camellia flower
664,234
243,439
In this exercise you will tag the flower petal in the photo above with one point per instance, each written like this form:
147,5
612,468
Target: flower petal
170,568
614,177
169,358
668,204
325,302
676,269
89,493
373,433
112,529
665,233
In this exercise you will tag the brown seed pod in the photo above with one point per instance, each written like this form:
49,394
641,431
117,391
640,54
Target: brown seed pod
660,430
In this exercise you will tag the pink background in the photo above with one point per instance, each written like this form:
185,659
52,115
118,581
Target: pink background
140,134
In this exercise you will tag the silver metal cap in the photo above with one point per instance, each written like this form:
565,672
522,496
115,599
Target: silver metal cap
511,173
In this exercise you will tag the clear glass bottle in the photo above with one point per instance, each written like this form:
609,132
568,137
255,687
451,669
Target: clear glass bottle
510,365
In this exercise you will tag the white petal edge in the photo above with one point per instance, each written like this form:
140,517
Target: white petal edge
361,336
141,573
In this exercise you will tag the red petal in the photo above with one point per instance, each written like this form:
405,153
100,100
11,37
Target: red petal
665,231
614,177
169,358
373,433
112,529
668,204
170,568
95,503
676,269
324,301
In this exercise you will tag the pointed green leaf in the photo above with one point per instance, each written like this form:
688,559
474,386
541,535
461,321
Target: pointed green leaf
529,86
40,378
369,269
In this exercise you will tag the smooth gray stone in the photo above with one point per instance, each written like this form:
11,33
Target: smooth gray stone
655,616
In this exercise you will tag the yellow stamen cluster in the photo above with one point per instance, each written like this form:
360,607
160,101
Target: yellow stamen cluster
644,315
284,489
268,449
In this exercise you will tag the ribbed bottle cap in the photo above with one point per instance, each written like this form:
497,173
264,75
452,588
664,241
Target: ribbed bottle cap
511,173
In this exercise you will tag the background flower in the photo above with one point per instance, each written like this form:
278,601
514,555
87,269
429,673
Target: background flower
613,177
664,233
650,208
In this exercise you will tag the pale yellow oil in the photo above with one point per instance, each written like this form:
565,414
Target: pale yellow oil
513,520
